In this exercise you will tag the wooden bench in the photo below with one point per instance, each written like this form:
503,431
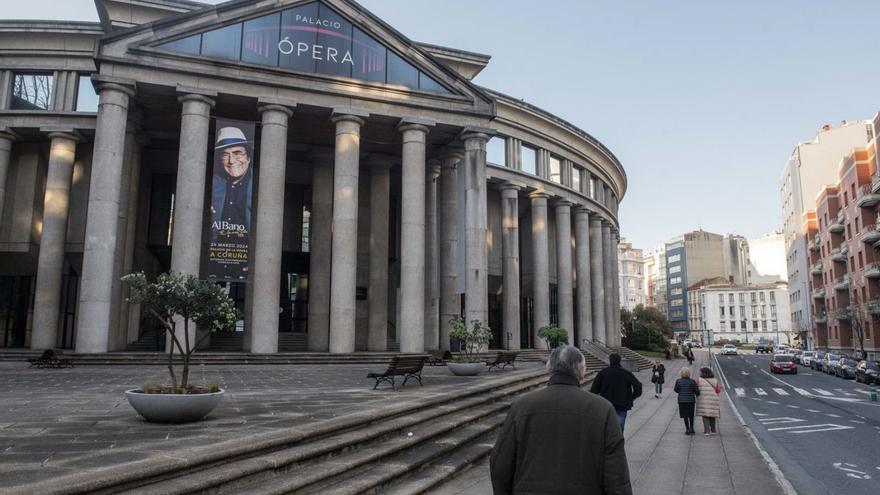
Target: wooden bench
405,366
438,358
502,360
51,358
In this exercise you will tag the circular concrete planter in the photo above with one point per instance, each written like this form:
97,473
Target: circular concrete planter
173,408
466,369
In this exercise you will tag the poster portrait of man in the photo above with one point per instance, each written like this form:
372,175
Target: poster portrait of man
231,200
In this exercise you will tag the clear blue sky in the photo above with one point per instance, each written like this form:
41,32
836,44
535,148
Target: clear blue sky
701,101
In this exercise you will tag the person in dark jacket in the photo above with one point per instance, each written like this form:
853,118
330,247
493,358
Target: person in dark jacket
618,386
687,391
561,439
689,354
657,378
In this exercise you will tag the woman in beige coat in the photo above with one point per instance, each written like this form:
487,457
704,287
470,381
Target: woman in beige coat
708,403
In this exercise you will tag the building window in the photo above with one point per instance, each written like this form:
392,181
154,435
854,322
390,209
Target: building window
732,311
592,191
674,280
31,92
675,291
676,302
762,296
755,325
722,310
773,310
730,298
742,311
721,300
86,97
529,160
496,152
723,327
775,325
772,296
733,325
675,269
576,178
675,258
555,169
753,297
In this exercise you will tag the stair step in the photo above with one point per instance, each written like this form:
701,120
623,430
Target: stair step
441,470
269,465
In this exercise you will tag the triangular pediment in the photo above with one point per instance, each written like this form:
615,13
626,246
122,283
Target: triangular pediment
335,38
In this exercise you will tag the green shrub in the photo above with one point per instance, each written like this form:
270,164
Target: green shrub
553,336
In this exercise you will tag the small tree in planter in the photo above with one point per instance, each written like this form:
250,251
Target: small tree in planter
553,336
199,302
472,338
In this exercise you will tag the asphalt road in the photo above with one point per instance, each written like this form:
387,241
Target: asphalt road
822,431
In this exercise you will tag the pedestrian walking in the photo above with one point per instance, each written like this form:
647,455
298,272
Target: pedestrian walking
657,373
708,405
560,439
690,356
687,391
618,386
668,352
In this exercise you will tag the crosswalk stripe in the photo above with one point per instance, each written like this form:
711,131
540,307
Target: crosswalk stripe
740,392
760,391
780,391
823,392
863,392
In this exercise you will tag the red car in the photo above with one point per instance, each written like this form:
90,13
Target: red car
783,363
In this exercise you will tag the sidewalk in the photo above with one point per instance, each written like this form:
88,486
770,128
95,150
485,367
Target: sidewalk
662,459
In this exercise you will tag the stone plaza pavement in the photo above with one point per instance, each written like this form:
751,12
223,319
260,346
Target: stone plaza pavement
55,422
662,459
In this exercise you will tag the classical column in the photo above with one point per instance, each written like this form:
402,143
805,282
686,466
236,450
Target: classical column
189,191
56,201
412,238
608,270
270,219
96,283
377,292
564,290
450,304
582,262
320,259
476,261
597,279
510,265
344,243
432,263
130,313
615,240
6,140
540,267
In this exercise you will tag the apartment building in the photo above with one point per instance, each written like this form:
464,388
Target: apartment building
631,270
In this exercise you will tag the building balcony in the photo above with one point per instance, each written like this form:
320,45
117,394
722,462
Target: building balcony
872,270
842,314
875,183
822,319
815,244
873,307
816,269
837,227
870,235
867,196
839,253
842,283
819,293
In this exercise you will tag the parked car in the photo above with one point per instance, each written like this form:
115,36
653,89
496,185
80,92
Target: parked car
846,368
763,347
868,372
797,355
830,362
783,363
697,344
779,349
818,361
807,358
729,349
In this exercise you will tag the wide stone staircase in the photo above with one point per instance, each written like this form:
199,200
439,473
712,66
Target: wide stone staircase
405,447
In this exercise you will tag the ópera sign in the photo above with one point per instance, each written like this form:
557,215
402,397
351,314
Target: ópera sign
316,51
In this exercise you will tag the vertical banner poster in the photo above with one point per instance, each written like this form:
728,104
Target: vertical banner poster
232,194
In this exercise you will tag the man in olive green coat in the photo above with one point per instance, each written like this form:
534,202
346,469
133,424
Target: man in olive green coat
561,440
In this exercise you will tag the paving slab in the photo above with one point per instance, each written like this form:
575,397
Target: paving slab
61,421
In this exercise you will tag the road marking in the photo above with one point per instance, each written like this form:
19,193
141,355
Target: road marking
832,415
755,398
802,391
794,407
773,402
780,391
764,414
856,421
844,392
823,392
811,428
852,473
740,392
807,374
780,420
866,392
812,410
760,391
745,372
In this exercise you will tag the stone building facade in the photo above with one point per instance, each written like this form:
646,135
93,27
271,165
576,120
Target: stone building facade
376,215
